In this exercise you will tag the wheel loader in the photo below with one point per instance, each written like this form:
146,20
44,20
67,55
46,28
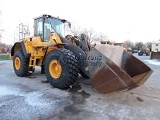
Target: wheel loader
108,68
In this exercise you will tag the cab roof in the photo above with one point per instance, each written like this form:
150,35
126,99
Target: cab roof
50,16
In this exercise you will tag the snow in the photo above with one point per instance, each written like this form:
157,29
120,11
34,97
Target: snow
28,105
153,62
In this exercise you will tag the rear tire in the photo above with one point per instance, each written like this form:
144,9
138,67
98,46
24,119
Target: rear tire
61,68
20,64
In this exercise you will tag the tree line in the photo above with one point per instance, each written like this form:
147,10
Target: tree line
95,37
137,45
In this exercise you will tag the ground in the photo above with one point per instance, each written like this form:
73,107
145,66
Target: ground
31,98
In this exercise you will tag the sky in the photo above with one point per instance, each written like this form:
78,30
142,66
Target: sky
120,20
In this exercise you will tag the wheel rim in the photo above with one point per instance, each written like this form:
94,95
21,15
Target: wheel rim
55,69
17,63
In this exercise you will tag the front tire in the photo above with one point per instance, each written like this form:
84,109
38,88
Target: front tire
61,68
20,64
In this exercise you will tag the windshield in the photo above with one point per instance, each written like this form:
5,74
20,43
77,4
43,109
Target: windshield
58,25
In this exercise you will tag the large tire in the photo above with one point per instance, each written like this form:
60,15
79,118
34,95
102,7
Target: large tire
61,68
20,64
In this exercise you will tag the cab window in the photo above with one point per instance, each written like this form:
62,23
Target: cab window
47,30
39,27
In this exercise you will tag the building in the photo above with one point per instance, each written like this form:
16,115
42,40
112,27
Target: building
155,46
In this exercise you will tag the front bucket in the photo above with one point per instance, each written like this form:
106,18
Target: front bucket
115,69
155,55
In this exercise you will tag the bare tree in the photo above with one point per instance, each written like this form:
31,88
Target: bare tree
138,45
128,44
0,28
93,36
76,31
2,45
149,45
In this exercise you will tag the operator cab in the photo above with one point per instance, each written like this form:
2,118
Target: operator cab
47,24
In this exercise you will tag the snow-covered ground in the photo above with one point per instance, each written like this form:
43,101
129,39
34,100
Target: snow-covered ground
153,62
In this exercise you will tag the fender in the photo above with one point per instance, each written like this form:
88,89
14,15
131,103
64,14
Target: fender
19,46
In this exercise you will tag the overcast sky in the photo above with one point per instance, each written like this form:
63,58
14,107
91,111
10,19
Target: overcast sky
136,20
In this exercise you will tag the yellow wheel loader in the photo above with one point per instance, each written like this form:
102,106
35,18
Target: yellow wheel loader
109,68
